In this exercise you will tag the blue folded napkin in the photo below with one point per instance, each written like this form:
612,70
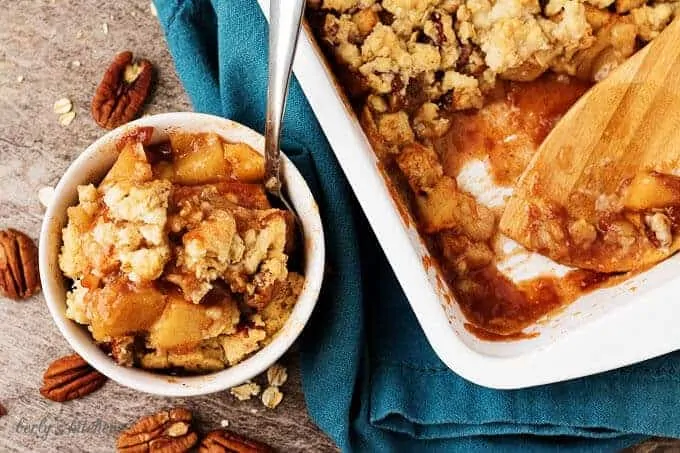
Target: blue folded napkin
370,378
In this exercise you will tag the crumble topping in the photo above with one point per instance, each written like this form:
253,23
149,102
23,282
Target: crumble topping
652,19
120,228
169,275
76,307
405,53
660,225
244,391
241,344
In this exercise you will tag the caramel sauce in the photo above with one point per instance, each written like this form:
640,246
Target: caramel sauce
496,304
500,309
509,129
507,132
621,234
159,152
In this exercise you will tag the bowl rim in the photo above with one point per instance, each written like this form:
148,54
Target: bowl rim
140,379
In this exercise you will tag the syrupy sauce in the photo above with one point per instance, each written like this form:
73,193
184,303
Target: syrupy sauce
622,238
159,152
500,309
508,130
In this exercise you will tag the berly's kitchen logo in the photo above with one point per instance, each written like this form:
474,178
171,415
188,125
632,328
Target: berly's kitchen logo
49,420
51,425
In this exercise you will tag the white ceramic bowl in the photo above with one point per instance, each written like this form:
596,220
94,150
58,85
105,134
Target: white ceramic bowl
90,167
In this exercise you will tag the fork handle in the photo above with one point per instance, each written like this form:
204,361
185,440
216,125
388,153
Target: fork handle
285,17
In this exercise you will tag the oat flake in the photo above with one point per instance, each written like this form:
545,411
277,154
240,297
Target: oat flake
272,397
277,375
63,105
45,196
67,118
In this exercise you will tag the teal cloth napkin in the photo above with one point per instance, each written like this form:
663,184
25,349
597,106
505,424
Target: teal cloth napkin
370,378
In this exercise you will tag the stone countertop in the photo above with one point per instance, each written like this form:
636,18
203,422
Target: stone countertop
59,49
53,49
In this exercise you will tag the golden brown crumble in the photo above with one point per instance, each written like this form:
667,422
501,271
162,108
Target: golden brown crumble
451,52
175,261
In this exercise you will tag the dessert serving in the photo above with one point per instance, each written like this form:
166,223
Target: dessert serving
177,259
455,98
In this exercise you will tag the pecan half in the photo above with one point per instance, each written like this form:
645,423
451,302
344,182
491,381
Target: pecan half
222,441
18,265
70,377
122,92
3,411
167,431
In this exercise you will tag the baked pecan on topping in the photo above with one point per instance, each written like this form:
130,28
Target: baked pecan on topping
168,431
464,57
122,92
70,377
222,441
437,20
386,17
18,265
123,350
3,411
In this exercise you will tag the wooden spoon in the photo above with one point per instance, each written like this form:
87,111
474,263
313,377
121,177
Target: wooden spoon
601,191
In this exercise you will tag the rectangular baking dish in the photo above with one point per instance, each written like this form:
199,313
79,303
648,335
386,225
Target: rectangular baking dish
603,330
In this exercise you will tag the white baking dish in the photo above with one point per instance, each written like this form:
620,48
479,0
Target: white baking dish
603,330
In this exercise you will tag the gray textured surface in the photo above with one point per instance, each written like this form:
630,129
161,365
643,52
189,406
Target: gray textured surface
40,40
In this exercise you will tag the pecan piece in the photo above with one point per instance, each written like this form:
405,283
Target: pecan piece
168,431
3,411
122,92
18,265
222,441
70,377
123,350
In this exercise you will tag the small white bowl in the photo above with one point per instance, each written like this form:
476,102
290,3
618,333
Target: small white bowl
90,167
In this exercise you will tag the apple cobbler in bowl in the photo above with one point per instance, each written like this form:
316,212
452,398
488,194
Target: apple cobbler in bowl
178,261
455,97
